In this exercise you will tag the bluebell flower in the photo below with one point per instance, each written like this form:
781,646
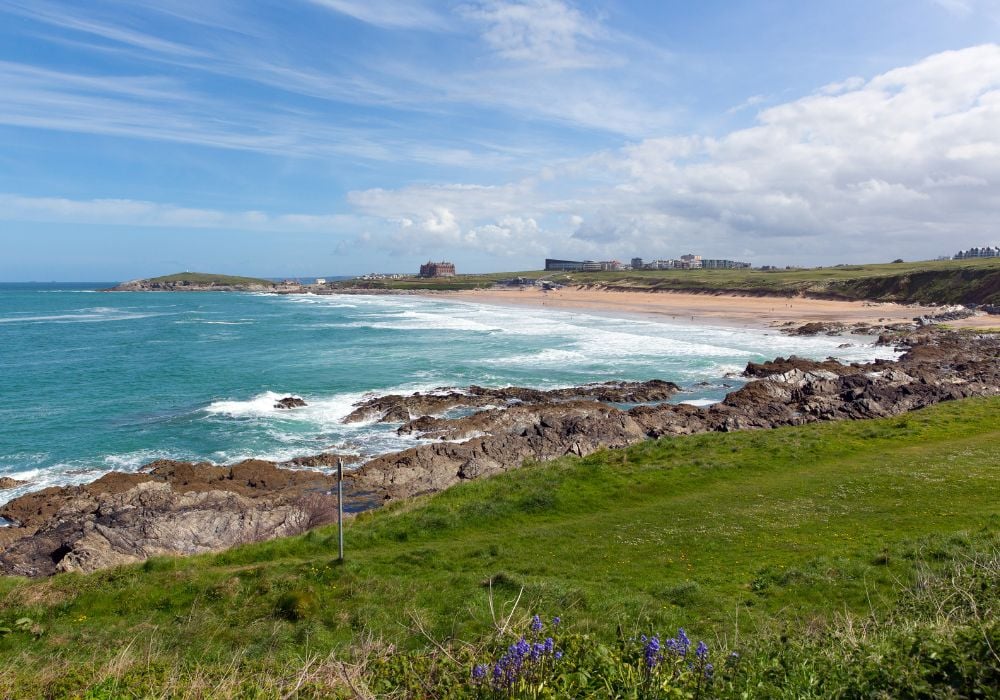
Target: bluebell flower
652,652
556,620
702,651
549,645
558,655
709,670
478,671
536,624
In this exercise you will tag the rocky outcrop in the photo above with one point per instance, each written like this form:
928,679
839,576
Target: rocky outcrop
289,402
97,531
7,483
179,507
395,408
938,367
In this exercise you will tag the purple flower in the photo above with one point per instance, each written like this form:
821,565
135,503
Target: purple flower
709,670
549,645
478,671
556,620
558,655
702,651
652,652
683,639
536,624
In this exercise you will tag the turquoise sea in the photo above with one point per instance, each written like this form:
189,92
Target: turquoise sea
93,381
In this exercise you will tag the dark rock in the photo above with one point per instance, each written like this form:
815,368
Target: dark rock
7,483
289,402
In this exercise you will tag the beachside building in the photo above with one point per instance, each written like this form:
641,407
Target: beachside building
437,269
610,265
552,265
636,263
591,266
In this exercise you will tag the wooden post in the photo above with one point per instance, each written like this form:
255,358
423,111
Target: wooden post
340,509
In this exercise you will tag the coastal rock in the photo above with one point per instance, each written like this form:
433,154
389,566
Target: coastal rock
150,519
7,483
395,408
289,402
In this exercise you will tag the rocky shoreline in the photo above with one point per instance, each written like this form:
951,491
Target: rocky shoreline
184,508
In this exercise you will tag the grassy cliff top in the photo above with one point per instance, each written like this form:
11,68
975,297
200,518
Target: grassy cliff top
719,533
208,278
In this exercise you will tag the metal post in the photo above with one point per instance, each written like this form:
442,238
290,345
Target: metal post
340,509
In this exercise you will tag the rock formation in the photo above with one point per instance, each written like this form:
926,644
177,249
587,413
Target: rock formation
178,507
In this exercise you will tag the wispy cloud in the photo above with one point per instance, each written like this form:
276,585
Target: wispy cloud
128,212
389,14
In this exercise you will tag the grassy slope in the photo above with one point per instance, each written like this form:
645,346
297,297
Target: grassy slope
787,525
946,281
210,278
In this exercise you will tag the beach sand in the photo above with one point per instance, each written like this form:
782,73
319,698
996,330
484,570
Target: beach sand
726,310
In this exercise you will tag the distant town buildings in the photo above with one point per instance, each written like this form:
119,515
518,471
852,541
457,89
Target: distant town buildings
986,252
437,269
684,262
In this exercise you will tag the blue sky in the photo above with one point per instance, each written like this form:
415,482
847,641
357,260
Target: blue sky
323,137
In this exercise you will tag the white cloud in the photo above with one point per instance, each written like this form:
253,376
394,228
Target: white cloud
549,34
907,163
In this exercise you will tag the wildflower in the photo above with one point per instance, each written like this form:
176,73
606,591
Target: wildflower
702,651
556,620
709,671
549,645
652,652
558,655
536,624
478,671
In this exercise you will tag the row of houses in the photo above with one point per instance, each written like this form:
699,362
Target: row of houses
685,262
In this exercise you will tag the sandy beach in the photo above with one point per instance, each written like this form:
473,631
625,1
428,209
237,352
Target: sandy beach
743,311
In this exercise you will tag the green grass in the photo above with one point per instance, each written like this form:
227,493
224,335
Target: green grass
207,278
790,527
933,281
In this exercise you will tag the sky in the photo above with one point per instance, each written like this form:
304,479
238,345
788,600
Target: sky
338,137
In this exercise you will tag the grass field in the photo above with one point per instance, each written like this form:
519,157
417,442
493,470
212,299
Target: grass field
724,534
944,281
206,278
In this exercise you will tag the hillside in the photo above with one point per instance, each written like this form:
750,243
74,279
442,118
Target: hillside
938,281
739,537
195,281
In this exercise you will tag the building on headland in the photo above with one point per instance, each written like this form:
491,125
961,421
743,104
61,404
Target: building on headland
711,264
320,281
684,262
562,265
437,269
984,252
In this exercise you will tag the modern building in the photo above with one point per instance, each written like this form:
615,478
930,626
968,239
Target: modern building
562,265
591,266
636,263
985,252
437,269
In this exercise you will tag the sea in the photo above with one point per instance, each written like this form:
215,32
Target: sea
93,381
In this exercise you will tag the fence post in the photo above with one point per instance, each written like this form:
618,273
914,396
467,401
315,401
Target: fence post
340,509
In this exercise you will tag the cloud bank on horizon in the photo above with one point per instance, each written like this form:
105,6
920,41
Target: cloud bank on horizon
339,136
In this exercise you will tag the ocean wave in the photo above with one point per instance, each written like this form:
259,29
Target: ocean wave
92,317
